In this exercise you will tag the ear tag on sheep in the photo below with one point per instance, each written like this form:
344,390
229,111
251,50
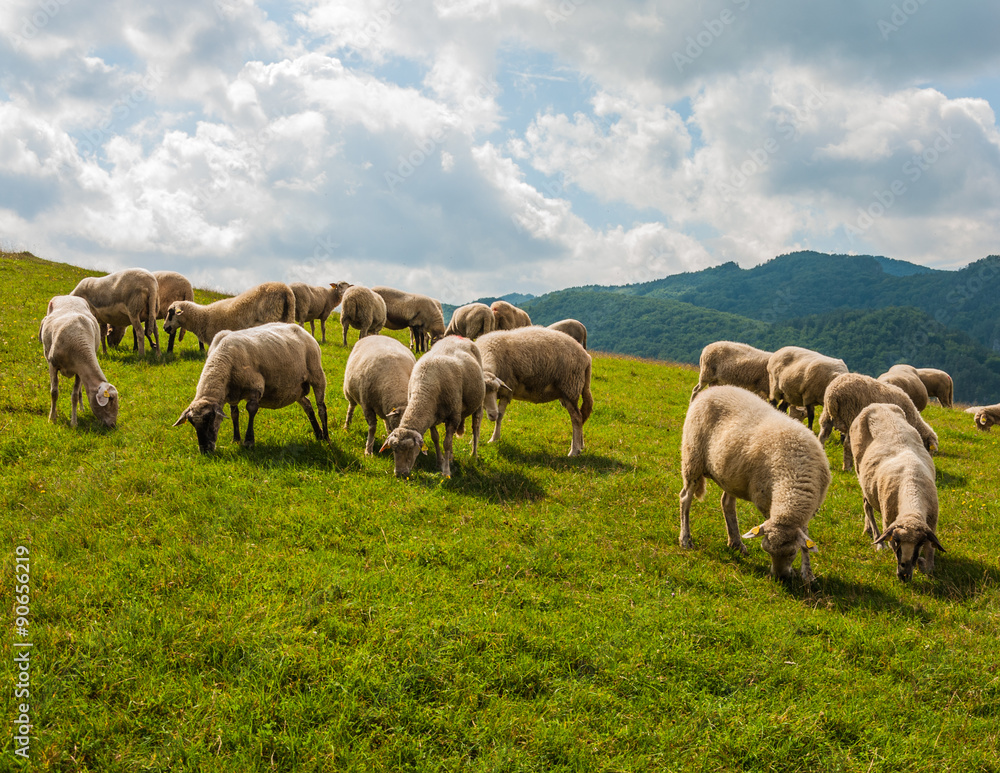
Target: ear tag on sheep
103,396
811,546
754,532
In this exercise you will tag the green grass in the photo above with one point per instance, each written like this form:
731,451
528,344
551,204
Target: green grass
295,607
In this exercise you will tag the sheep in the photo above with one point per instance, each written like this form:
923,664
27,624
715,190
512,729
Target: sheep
312,303
573,328
361,308
848,394
446,386
376,377
736,364
798,376
471,321
985,416
906,378
171,287
938,384
759,455
267,302
127,297
70,334
539,365
269,366
509,316
897,478
420,313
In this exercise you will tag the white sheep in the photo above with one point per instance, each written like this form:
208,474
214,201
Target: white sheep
574,328
471,321
70,335
799,377
420,313
267,302
850,393
446,386
269,366
361,308
171,287
759,455
508,316
897,478
128,297
938,384
735,364
908,379
985,416
376,378
312,303
539,365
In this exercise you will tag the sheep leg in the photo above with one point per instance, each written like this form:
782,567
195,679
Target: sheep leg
501,409
848,453
437,446
372,418
576,418
811,413
687,496
136,326
307,407
449,433
53,391
76,399
477,420
345,325
351,405
732,525
135,341
322,328
252,406
806,570
170,341
234,410
926,561
871,528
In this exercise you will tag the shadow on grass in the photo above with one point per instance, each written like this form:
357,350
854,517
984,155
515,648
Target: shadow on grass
957,578
32,410
477,480
947,480
315,454
587,461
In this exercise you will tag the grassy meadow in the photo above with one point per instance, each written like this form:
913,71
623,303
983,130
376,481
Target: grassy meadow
295,607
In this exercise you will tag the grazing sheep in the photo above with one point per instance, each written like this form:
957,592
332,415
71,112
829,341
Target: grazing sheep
938,384
851,393
509,316
420,313
312,303
471,321
269,366
123,298
736,364
376,377
539,365
759,455
70,334
906,378
267,302
985,416
798,376
361,308
447,385
897,478
573,328
171,287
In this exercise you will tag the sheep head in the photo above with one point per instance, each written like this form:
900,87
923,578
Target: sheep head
495,390
782,543
907,536
393,417
405,445
172,321
104,404
206,418
985,419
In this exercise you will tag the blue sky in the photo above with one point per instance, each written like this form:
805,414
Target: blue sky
465,148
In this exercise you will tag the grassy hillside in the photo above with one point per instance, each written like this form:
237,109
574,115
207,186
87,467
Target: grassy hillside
295,607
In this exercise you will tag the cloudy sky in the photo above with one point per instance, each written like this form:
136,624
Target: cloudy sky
478,147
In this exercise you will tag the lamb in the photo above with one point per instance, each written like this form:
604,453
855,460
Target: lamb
906,378
762,456
573,328
70,334
471,321
798,376
376,377
171,287
897,478
850,393
446,386
420,313
312,303
267,302
539,365
269,366
938,384
509,316
123,298
985,416
361,308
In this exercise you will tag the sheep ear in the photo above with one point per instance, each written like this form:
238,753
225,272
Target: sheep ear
934,541
756,531
885,535
184,417
807,544
220,411
104,393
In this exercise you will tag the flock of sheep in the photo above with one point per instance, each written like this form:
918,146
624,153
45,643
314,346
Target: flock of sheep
259,356
490,355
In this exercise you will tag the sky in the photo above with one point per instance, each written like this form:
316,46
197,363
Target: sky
469,148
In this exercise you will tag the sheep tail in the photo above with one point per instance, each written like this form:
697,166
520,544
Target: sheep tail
587,406
152,309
